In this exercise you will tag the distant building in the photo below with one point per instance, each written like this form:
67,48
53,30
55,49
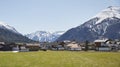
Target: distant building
33,47
15,48
73,46
5,47
100,45
106,45
22,48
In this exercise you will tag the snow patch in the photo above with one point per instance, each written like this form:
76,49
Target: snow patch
108,13
44,36
6,26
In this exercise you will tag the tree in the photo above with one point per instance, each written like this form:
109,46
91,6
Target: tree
86,45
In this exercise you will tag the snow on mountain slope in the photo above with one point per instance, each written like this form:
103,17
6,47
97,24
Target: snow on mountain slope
6,26
108,13
102,20
9,34
98,26
44,36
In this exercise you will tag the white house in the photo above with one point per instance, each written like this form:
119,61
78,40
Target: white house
15,48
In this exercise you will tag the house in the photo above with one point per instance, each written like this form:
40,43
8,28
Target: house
5,47
100,45
57,47
19,47
33,46
44,46
113,44
22,48
106,45
25,47
15,48
118,45
60,47
1,45
100,42
73,46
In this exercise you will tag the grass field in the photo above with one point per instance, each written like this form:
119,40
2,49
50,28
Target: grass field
60,59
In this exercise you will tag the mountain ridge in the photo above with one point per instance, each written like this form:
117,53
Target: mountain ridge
10,34
98,26
44,36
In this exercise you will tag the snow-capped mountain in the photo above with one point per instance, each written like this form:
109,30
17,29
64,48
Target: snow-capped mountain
44,36
110,12
10,34
103,20
6,26
105,24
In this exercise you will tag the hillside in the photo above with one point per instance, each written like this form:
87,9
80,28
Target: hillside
105,24
9,34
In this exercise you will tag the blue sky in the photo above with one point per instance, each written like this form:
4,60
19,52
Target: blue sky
50,15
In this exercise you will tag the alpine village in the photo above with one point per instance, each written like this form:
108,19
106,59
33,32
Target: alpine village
97,34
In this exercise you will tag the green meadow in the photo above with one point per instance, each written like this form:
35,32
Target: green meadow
60,59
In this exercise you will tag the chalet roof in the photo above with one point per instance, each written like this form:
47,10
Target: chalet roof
30,44
101,40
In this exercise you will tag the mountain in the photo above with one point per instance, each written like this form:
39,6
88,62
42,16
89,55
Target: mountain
105,24
44,36
7,27
10,34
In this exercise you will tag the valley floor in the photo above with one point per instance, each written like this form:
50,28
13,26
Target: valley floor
60,59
